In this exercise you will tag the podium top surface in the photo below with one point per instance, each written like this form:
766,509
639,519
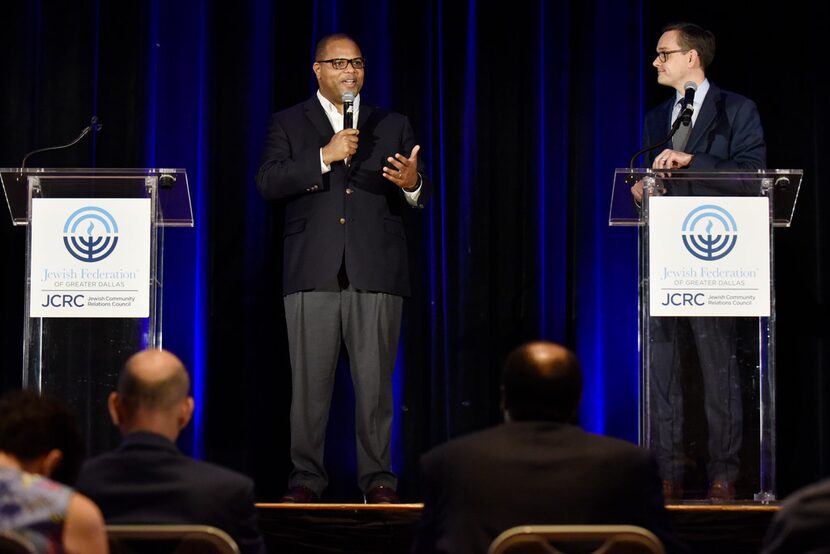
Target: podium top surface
170,186
780,185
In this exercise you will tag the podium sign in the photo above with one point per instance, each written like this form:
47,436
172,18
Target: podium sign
709,256
90,257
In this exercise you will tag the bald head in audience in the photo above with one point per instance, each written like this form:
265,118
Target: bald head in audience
152,395
542,381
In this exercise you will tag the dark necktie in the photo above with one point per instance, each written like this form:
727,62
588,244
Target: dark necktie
681,137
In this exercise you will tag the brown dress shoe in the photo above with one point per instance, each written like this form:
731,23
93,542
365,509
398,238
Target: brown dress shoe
672,490
381,494
300,495
721,490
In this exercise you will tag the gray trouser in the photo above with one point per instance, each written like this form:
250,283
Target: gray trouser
369,325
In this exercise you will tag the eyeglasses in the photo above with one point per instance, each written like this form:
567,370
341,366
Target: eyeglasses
664,55
341,63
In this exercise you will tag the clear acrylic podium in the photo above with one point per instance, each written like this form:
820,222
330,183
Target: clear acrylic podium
707,383
78,359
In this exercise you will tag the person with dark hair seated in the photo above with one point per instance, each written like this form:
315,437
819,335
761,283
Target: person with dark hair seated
39,439
538,467
147,480
803,522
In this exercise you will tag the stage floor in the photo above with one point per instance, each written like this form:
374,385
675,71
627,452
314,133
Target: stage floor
376,528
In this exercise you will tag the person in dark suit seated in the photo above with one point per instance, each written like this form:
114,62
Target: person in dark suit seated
537,467
38,440
147,480
803,522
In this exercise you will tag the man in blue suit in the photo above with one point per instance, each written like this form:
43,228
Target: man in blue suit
345,270
725,134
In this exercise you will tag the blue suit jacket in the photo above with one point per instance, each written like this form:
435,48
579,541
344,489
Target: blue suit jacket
371,236
148,480
726,136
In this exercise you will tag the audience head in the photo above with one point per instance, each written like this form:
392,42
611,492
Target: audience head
542,381
40,434
152,395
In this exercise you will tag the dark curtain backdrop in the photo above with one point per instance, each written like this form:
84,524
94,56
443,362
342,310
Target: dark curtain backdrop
522,110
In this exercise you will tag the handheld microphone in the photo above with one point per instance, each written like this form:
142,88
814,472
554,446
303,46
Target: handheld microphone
93,127
688,102
348,110
348,113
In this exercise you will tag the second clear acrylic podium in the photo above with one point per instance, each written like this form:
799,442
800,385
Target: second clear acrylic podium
707,325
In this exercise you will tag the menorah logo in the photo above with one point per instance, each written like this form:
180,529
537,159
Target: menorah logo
709,232
90,234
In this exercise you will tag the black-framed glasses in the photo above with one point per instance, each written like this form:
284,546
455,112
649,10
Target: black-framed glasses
664,55
341,63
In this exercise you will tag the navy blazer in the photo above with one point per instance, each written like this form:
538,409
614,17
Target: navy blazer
726,136
535,472
351,213
148,480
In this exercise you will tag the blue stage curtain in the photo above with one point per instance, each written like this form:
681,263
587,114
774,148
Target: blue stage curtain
522,113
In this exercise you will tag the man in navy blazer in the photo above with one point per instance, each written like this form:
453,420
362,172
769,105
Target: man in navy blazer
345,269
726,134
147,480
537,467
